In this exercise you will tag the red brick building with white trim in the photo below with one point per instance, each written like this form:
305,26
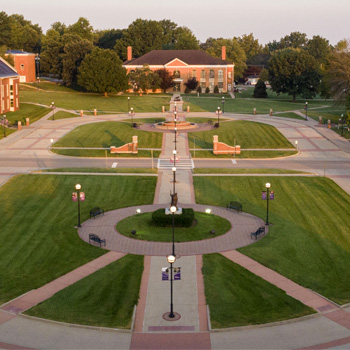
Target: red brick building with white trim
186,64
9,88
24,63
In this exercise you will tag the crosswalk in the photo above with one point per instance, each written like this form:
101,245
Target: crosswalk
182,164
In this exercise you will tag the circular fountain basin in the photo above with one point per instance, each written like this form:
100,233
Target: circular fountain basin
170,125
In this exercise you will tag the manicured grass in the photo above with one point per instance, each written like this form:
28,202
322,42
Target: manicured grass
332,113
237,297
289,115
88,101
39,241
244,171
101,170
106,134
199,120
344,133
26,110
64,115
146,120
240,132
8,132
45,85
244,154
103,299
309,239
146,231
102,153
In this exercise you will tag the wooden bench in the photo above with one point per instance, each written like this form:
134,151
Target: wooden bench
96,211
97,239
235,205
258,232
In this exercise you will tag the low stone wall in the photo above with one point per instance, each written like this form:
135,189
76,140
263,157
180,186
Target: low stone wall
127,148
223,148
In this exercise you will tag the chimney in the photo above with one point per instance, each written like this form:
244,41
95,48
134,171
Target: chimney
223,53
129,53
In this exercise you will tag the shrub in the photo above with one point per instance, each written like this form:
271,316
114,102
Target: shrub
216,89
260,89
184,220
187,90
207,90
199,89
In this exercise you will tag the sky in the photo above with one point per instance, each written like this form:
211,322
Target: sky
268,20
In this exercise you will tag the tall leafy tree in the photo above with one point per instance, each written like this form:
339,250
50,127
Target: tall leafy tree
167,79
250,45
106,39
101,71
319,48
5,31
50,58
74,53
143,35
144,79
82,28
294,72
234,53
184,39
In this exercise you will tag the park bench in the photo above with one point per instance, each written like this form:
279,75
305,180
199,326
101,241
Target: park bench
258,232
97,239
96,211
216,125
235,205
135,126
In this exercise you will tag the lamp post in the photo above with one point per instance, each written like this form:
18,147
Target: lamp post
37,61
306,110
268,185
174,177
175,129
53,110
132,116
342,120
78,187
171,259
175,107
218,111
128,103
223,105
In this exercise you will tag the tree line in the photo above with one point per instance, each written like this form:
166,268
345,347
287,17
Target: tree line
84,57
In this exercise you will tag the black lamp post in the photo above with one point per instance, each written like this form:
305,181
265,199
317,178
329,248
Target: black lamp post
175,129
306,110
53,110
128,103
268,185
218,111
223,105
174,177
78,187
37,61
132,116
342,120
171,259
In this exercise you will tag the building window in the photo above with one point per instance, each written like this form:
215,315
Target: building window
211,86
176,74
194,73
221,75
220,84
229,75
203,86
22,66
202,74
211,74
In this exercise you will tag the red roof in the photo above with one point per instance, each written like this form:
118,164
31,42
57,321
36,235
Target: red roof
162,57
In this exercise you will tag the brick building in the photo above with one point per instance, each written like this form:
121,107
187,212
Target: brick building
9,88
186,64
24,63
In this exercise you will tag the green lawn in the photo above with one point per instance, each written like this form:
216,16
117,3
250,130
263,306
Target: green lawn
88,101
290,115
244,171
26,110
344,133
105,153
145,230
106,134
64,115
101,170
309,239
39,241
8,131
249,135
103,299
237,297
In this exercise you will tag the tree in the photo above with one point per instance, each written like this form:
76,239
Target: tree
101,71
143,35
192,84
294,72
145,79
74,53
250,46
167,79
338,74
82,28
5,32
185,39
50,58
234,53
260,89
106,39
319,48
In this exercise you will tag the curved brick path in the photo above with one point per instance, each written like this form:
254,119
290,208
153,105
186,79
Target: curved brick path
238,236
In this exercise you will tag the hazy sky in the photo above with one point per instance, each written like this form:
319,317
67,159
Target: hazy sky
268,20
